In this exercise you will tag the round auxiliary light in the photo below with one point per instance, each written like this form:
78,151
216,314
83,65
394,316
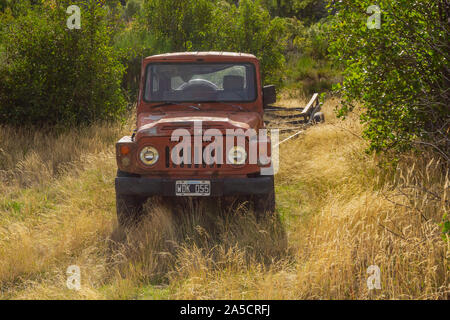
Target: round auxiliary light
149,156
237,155
126,161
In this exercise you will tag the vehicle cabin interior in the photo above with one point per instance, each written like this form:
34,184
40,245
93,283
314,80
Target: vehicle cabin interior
200,82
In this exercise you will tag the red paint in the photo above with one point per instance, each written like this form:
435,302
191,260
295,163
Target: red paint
155,126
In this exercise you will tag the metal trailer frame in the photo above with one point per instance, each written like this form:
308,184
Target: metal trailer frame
306,116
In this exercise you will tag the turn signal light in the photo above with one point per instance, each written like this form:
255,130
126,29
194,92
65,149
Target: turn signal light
124,150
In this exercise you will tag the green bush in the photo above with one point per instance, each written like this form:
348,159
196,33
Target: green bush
313,41
308,68
51,75
309,11
206,25
133,44
15,6
132,9
249,28
399,72
183,23
308,75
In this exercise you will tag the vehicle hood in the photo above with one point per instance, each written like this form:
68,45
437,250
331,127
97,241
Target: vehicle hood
162,124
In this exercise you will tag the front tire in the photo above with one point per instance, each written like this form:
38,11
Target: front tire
129,207
264,204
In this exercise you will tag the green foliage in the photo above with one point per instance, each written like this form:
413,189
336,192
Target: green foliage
445,225
309,69
132,9
309,11
17,7
399,72
132,45
249,28
52,75
313,41
66,72
184,23
12,206
308,75
204,25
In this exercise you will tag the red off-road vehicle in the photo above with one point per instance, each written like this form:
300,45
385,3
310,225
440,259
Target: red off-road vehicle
200,132
187,103
194,92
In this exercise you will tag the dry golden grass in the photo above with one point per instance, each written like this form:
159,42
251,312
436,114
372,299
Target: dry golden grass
32,158
340,213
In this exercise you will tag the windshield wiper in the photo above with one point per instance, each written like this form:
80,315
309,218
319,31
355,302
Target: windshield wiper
168,103
232,105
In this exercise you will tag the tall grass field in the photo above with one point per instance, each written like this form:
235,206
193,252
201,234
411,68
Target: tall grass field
340,211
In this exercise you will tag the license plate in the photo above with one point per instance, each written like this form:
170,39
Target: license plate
193,188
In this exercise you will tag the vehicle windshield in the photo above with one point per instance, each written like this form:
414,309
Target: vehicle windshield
200,82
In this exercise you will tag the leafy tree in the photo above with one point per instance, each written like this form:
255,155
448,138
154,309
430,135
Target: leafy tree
132,8
249,28
132,45
399,72
17,7
184,23
52,75
219,26
309,11
313,41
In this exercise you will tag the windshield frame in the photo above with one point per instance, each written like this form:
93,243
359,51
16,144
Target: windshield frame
243,63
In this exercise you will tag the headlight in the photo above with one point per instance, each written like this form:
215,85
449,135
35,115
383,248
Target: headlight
237,155
149,156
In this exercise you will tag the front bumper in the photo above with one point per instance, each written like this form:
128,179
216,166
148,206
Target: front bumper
219,187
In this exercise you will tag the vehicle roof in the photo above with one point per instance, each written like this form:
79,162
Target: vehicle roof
201,54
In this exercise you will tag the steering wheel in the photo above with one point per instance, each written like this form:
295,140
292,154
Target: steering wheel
198,83
199,89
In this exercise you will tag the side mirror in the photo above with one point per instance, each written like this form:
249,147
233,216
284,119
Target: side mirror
269,95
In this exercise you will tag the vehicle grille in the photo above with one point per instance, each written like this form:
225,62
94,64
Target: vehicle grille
170,164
